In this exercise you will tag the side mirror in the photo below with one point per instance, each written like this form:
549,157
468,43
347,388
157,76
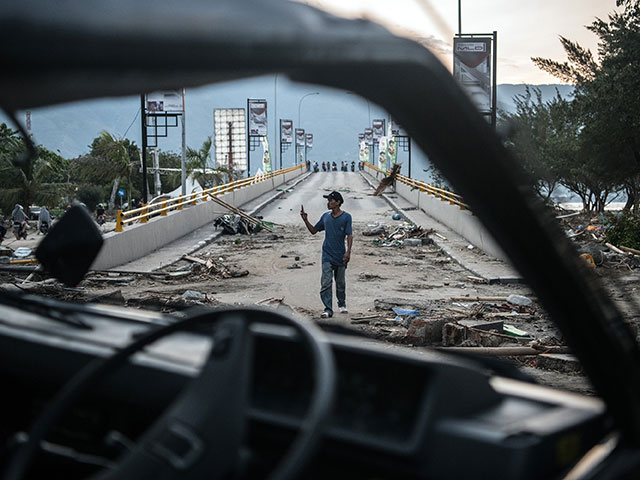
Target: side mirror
71,246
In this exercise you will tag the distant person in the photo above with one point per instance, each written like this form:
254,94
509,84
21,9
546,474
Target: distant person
336,224
44,220
19,220
100,218
324,167
334,167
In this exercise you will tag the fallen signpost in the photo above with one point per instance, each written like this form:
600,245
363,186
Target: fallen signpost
237,211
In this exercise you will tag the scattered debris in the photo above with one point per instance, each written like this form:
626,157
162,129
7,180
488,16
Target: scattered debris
588,259
365,317
193,296
399,235
629,250
475,279
213,268
110,298
234,224
245,216
514,332
388,180
22,252
519,300
367,277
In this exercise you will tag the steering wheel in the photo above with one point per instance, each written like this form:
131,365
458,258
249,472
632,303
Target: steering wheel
199,435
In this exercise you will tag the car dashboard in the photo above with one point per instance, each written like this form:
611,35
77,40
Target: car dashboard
396,413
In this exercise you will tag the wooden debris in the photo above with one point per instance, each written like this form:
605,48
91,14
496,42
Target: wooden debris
493,351
365,317
629,250
478,299
505,351
237,211
613,248
194,259
473,278
388,180
440,236
489,332
270,300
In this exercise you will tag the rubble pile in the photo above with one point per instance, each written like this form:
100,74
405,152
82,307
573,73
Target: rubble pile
232,224
395,236
589,234
211,268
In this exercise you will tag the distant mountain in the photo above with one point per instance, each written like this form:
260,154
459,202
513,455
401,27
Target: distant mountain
335,118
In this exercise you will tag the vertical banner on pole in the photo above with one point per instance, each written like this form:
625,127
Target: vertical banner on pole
472,69
382,154
257,118
266,156
368,136
300,143
286,131
378,129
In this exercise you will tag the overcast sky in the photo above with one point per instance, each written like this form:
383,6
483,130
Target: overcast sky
525,28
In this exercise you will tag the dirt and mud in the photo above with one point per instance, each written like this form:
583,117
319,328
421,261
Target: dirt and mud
282,270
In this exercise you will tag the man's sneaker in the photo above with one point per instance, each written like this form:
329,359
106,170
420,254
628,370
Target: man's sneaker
326,314
343,310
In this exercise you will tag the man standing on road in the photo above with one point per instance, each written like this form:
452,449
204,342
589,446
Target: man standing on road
337,225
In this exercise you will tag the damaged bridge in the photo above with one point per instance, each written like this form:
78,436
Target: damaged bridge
150,243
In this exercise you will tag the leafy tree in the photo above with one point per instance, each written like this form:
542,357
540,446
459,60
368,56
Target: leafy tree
43,181
607,100
535,137
199,164
111,157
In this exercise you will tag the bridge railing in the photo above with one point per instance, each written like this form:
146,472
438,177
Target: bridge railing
162,206
441,193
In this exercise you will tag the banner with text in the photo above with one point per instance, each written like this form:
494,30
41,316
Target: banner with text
286,131
378,129
165,101
257,118
472,69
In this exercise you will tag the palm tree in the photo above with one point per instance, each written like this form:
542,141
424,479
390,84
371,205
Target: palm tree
113,152
198,162
43,180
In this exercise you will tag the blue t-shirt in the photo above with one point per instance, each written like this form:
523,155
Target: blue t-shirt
336,229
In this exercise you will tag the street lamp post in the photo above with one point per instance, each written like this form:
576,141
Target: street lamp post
300,104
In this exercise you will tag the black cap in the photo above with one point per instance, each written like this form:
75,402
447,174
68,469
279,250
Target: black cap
335,196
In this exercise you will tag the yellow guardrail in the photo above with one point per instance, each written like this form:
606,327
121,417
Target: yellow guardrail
441,193
162,207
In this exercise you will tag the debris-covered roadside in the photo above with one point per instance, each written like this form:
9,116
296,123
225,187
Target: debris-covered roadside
398,235
589,232
398,291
